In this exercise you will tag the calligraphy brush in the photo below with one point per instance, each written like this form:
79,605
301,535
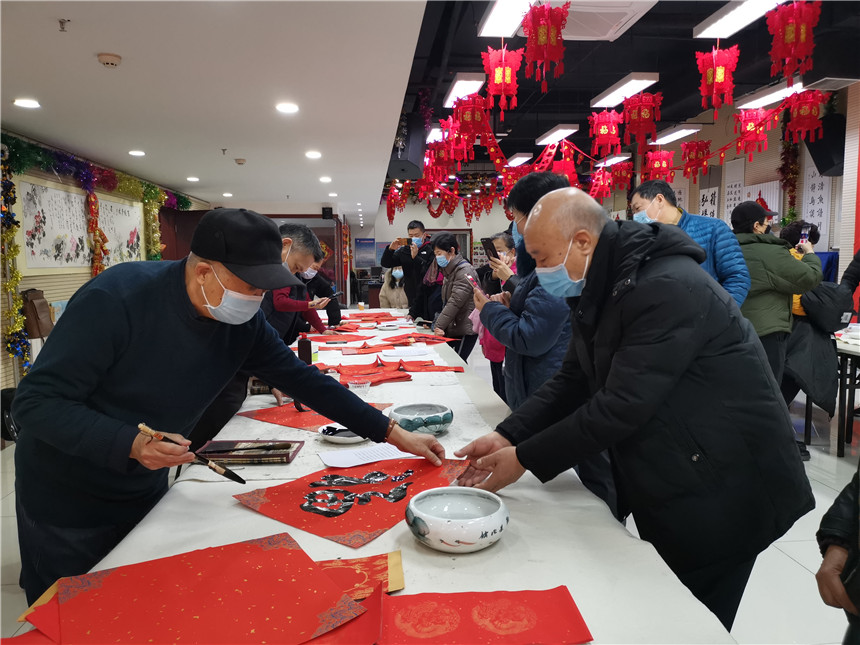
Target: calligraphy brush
217,468
283,445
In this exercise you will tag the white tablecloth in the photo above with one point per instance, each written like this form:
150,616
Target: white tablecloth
560,534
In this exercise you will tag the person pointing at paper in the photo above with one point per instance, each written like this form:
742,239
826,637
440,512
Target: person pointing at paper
659,354
153,343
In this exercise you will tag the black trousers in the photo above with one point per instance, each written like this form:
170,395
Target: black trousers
720,588
775,346
464,346
497,371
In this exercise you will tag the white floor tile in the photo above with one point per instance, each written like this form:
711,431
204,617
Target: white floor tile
10,557
781,605
7,505
13,605
806,526
805,553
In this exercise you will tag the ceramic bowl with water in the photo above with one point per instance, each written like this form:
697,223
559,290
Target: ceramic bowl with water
429,418
456,519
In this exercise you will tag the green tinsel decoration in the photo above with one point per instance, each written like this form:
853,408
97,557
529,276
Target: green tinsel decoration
183,202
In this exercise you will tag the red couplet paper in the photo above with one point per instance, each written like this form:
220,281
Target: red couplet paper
265,590
287,415
358,577
352,506
341,338
365,349
378,377
471,618
418,337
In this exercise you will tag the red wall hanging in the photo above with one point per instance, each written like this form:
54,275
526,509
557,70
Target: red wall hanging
717,68
542,26
805,108
604,129
501,67
695,155
751,125
659,165
622,173
640,115
791,26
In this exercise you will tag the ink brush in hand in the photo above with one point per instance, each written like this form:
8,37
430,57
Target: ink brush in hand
214,467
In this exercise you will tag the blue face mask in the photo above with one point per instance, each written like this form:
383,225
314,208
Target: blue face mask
416,241
397,273
235,308
442,261
642,218
515,232
557,282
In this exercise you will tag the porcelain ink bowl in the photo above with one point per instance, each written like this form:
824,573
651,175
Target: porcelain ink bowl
456,519
429,418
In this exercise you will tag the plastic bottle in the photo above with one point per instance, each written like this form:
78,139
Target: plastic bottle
305,348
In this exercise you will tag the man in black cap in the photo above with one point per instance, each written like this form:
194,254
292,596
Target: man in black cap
154,343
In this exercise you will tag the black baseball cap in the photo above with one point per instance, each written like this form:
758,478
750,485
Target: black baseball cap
247,243
749,212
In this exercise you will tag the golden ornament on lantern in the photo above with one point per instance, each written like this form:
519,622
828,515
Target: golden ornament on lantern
791,26
604,129
717,68
695,155
805,110
501,67
543,26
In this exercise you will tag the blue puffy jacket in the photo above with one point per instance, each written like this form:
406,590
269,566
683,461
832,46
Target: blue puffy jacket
535,332
724,262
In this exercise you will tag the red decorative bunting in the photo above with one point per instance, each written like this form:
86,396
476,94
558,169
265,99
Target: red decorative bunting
601,184
659,165
501,67
805,110
640,114
695,156
542,26
622,173
751,124
717,68
791,26
604,129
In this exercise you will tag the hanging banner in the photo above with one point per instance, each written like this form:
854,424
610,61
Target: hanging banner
709,202
816,200
734,187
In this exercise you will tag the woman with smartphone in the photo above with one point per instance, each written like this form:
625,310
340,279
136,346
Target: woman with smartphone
457,286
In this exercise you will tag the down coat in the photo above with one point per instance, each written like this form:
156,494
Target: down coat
664,372
457,301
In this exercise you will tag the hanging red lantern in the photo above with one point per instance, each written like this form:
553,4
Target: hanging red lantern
542,26
805,109
791,26
501,67
459,148
717,68
438,163
622,173
640,115
601,184
658,165
751,125
471,113
695,155
604,129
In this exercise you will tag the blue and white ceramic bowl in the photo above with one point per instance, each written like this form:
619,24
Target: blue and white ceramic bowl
456,519
429,418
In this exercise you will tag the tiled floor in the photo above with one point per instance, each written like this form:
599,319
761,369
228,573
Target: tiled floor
781,603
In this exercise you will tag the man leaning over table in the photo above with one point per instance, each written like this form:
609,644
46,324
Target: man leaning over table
664,372
153,342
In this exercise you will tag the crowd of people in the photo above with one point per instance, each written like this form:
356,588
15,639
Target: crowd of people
619,347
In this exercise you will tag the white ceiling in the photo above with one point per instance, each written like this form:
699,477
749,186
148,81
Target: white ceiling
200,76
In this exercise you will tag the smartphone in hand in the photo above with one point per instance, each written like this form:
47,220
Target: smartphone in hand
804,233
476,286
489,248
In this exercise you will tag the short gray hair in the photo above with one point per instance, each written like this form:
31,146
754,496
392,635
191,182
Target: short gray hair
304,239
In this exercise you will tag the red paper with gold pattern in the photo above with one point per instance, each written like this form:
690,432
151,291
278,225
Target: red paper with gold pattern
287,415
352,506
341,338
264,590
418,337
363,349
358,577
471,618
378,377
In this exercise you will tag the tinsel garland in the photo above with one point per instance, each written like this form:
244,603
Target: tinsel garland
15,337
789,172
153,199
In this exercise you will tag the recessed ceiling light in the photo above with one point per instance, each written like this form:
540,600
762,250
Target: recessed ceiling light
399,185
27,103
227,194
675,133
435,134
313,154
136,153
437,191
452,176
192,178
631,84
768,95
465,83
332,194
558,133
358,203
733,17
488,184
614,159
519,159
477,190
503,18
325,180
287,108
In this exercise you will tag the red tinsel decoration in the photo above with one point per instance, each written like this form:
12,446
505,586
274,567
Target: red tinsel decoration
471,113
805,109
501,67
658,165
640,114
105,179
542,26
622,174
791,26
717,68
604,129
601,184
695,156
751,125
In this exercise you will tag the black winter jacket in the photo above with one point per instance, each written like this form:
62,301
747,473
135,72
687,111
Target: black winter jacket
413,268
664,371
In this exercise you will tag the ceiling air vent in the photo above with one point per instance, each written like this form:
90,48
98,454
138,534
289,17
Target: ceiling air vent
601,19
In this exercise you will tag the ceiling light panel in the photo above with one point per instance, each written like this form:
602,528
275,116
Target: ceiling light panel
465,83
675,133
558,133
503,18
611,161
519,159
628,86
768,95
733,17
27,103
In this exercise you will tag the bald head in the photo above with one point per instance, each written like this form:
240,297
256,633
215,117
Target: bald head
564,227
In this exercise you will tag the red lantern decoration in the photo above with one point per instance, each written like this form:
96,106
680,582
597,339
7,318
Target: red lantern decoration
751,125
622,173
640,114
438,163
459,148
659,165
695,155
471,113
472,207
542,26
604,129
501,67
601,184
717,68
805,110
791,27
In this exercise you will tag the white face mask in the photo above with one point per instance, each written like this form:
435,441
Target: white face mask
307,275
235,308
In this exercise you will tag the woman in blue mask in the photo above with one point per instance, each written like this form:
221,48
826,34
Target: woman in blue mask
453,321
393,295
